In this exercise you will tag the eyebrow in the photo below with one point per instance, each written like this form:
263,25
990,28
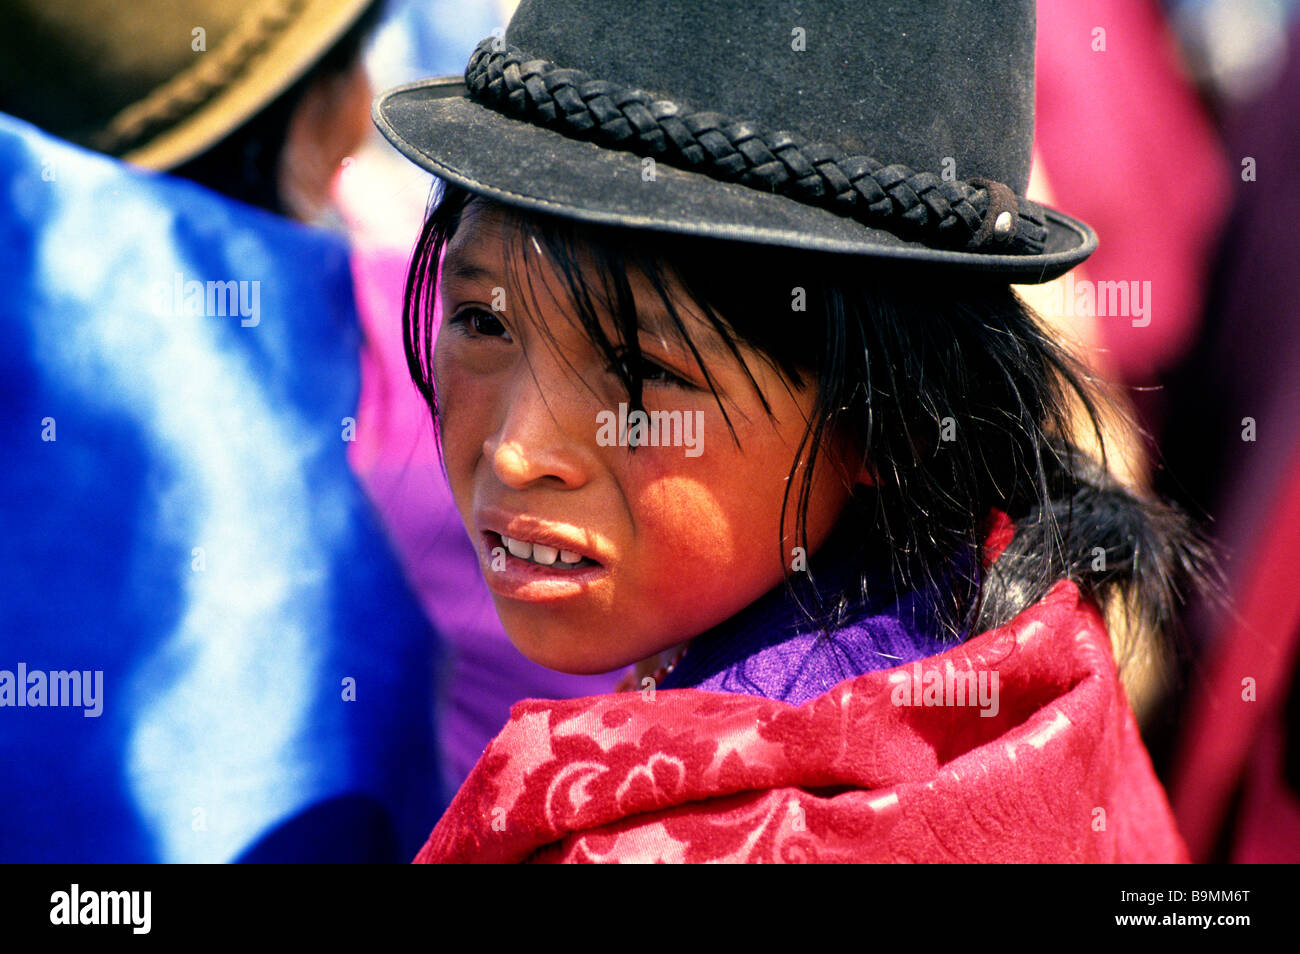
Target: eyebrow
464,267
652,320
655,321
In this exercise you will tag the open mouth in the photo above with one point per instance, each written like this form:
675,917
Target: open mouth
539,554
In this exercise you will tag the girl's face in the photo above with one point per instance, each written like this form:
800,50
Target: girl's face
609,556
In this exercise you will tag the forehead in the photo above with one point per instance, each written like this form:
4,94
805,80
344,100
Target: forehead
477,249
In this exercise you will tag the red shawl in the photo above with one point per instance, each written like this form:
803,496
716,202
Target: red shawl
888,766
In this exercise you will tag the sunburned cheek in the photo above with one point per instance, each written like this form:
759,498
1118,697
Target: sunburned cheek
682,517
699,549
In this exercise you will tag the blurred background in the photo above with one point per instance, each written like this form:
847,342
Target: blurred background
222,492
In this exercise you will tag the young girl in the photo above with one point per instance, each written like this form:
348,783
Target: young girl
763,414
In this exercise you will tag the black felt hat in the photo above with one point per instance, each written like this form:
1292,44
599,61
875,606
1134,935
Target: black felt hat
898,129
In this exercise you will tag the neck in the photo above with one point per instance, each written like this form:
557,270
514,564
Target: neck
860,622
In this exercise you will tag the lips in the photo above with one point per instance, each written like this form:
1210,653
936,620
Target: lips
514,551
541,554
539,542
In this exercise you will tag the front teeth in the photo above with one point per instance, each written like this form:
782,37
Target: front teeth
539,552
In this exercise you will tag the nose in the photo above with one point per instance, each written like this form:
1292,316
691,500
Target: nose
532,444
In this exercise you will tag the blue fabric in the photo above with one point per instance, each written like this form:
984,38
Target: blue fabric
178,513
421,38
771,649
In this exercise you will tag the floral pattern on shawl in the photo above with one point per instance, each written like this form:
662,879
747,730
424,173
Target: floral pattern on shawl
1055,772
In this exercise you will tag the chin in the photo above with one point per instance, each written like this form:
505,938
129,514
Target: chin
549,641
574,663
555,648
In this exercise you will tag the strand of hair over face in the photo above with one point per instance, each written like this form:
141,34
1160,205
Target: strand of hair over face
947,387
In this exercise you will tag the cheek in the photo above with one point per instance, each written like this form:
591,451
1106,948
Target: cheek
463,409
711,531
681,516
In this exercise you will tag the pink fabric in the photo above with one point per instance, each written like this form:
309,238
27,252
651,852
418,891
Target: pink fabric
1230,736
1057,773
1129,149
1268,830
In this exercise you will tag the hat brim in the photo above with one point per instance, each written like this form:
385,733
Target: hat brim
316,27
438,127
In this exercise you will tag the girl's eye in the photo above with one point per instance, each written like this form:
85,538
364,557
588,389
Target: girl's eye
650,372
481,323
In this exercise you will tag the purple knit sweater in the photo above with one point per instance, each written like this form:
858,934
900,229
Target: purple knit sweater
770,648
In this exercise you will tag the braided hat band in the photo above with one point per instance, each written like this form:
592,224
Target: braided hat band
195,87
976,215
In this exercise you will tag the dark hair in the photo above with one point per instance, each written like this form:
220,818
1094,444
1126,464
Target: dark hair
947,384
245,164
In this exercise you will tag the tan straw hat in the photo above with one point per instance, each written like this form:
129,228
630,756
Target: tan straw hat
157,82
